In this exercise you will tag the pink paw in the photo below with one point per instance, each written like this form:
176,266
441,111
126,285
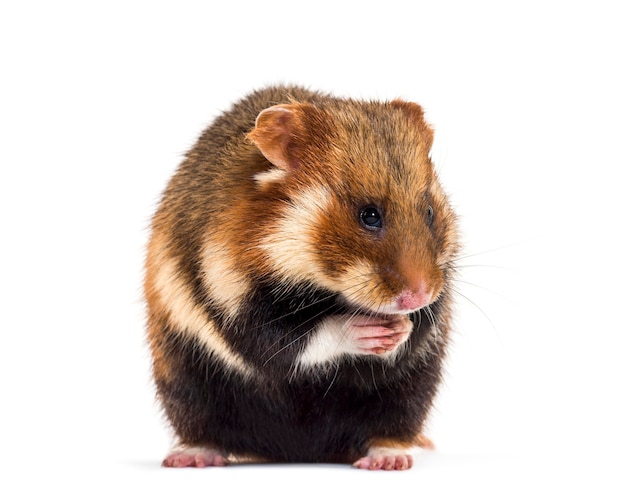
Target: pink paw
194,456
379,334
384,462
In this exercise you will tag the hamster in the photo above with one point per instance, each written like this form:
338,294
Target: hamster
298,284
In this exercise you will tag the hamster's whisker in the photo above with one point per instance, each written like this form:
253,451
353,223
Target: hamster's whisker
280,350
363,281
293,312
430,315
332,381
486,289
359,310
374,380
456,291
497,267
419,319
487,251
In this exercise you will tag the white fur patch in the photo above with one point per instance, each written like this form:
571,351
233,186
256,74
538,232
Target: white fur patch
270,176
190,319
226,286
328,342
288,247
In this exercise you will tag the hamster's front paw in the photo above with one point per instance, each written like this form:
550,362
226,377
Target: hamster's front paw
194,456
378,334
355,335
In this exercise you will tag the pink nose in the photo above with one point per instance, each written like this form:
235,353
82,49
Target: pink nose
411,300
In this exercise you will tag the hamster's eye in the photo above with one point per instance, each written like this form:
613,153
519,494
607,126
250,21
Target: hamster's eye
371,218
430,215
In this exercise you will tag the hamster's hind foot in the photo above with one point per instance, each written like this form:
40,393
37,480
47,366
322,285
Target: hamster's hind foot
385,455
384,462
194,456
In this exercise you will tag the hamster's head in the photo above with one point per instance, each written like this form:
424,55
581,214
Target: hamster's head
357,206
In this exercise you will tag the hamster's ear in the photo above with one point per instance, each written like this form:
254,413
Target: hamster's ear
274,134
416,114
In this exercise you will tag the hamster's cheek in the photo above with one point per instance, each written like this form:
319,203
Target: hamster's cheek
288,245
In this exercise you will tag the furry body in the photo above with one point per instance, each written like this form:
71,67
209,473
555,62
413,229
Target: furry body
279,325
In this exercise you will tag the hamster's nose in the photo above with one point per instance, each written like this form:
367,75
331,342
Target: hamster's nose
413,299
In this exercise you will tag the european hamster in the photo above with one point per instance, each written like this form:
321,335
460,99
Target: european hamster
298,284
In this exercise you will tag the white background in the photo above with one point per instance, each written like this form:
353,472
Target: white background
98,102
